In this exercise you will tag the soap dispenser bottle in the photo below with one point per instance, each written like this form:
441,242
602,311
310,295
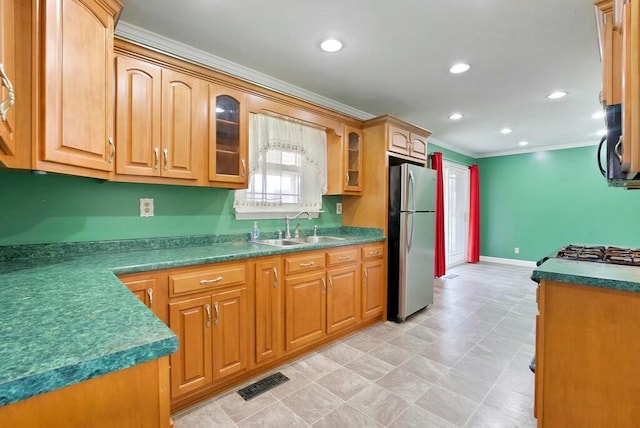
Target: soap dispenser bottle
255,232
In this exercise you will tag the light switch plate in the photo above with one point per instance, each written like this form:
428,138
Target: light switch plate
146,207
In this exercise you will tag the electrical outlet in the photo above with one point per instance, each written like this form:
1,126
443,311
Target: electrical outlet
339,208
146,207
516,250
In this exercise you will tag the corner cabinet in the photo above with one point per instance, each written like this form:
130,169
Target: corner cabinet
344,168
75,68
228,137
7,79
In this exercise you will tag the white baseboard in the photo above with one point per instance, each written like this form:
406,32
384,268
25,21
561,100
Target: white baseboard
507,261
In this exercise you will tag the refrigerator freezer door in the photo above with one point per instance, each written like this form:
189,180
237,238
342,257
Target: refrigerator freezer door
419,188
416,262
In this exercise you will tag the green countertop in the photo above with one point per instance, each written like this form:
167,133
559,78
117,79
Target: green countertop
67,318
604,275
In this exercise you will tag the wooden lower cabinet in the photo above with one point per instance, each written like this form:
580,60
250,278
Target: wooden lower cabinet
230,332
269,321
343,304
373,289
151,289
305,313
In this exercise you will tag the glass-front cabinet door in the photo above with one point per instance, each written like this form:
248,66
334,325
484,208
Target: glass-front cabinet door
228,137
353,159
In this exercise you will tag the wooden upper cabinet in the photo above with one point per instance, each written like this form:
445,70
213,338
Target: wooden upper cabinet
344,162
611,52
76,65
407,143
184,125
228,137
418,146
631,89
138,110
7,79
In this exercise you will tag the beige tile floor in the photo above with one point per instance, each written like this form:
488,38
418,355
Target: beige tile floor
462,362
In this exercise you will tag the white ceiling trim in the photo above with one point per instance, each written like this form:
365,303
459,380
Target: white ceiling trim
163,44
452,147
537,149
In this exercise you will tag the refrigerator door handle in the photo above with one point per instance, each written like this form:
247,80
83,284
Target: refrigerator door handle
412,185
410,232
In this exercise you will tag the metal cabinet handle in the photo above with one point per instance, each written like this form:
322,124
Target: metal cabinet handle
244,168
275,277
366,275
324,286
374,253
215,307
113,150
346,179
210,281
208,309
6,105
150,294
344,258
330,284
165,165
617,147
156,157
307,264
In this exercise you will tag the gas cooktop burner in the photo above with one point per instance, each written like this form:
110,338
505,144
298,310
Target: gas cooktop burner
614,255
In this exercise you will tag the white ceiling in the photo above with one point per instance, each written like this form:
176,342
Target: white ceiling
397,54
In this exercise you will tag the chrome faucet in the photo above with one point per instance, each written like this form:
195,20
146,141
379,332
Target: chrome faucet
287,223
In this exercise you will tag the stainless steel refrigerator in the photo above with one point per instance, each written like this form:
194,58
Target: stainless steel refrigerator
412,203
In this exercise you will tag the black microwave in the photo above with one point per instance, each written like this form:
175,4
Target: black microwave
612,143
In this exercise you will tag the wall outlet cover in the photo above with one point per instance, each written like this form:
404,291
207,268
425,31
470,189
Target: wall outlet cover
516,250
339,208
146,207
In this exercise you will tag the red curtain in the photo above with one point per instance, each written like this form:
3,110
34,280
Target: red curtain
440,266
473,251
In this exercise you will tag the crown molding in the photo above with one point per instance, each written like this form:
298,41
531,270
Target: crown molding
536,149
163,44
452,147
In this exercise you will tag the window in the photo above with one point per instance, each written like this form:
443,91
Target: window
287,169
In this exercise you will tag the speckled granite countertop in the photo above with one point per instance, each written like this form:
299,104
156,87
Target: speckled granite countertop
595,274
66,318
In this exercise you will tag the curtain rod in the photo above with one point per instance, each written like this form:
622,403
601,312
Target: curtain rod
291,119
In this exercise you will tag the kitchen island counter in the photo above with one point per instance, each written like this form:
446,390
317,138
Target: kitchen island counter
67,318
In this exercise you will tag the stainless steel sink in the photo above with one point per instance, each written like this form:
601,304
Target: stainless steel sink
280,242
319,239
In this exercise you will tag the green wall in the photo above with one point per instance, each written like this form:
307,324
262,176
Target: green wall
451,155
541,201
57,208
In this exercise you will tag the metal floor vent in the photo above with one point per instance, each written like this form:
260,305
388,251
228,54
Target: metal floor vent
263,385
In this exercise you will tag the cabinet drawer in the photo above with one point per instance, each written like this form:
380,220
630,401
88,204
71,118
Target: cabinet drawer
192,282
373,251
339,257
303,263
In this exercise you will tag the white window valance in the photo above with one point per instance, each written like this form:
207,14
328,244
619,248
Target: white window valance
287,168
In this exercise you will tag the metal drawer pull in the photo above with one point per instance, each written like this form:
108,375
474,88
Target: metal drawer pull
150,294
324,286
208,309
210,281
374,253
112,153
165,166
275,277
215,307
330,284
6,105
307,264
344,258
156,157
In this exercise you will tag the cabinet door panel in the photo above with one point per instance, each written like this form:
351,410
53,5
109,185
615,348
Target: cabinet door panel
191,366
138,117
342,298
269,322
230,331
7,59
373,283
184,119
418,146
399,140
78,84
305,313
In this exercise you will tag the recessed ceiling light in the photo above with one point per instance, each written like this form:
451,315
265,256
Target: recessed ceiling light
557,94
506,131
455,116
331,45
523,143
597,115
459,68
